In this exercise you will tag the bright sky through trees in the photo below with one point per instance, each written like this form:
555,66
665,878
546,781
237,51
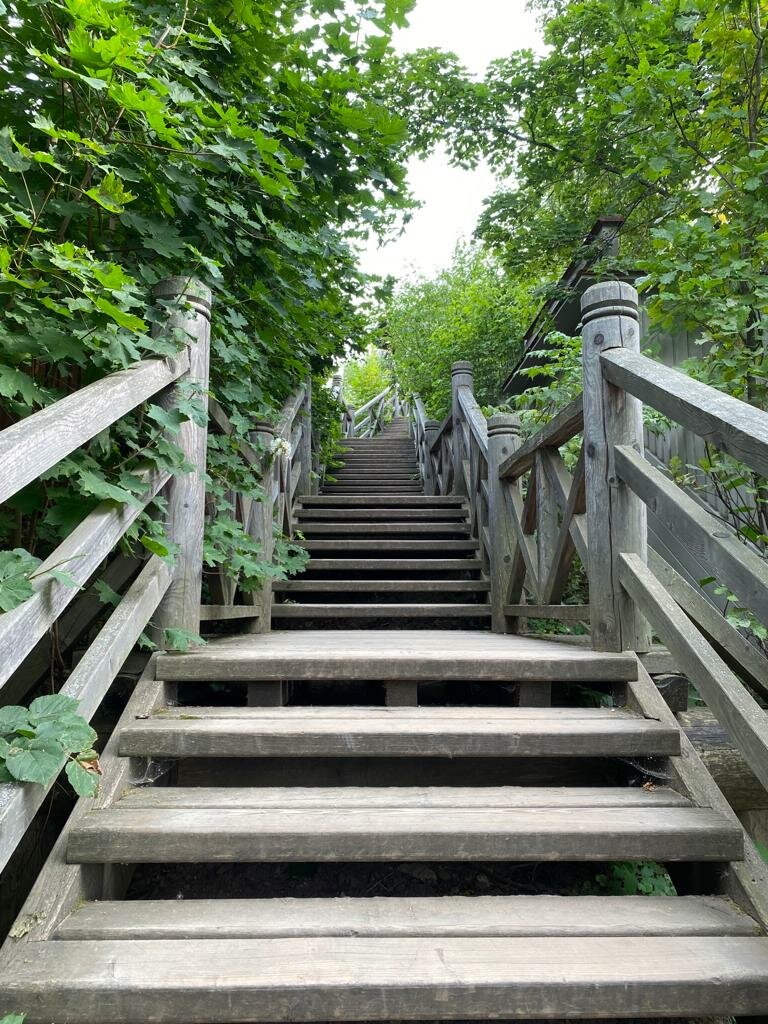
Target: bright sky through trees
477,31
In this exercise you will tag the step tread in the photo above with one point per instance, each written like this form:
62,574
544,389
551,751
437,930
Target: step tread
401,797
395,564
446,609
476,732
398,500
372,586
384,529
440,515
383,654
394,916
234,981
392,545
193,835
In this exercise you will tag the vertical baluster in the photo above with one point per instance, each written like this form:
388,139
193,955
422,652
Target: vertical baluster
431,483
461,377
616,518
304,453
547,529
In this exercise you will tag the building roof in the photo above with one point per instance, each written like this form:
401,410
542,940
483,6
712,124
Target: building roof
562,312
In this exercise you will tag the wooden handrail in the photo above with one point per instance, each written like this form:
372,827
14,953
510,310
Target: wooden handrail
561,428
32,446
474,417
727,423
445,427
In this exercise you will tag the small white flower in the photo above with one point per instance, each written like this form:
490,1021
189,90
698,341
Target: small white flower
281,446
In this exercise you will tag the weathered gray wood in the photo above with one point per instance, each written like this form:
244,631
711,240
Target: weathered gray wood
473,417
561,428
305,834
726,423
394,546
185,495
748,877
261,528
503,440
733,563
401,797
441,610
405,654
88,684
382,565
563,612
60,887
614,514
80,554
478,733
738,653
569,494
30,447
725,763
383,501
381,917
380,586
220,612
402,693
741,715
234,981
547,530
461,377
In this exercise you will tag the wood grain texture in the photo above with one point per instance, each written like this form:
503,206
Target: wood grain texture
355,979
726,423
33,445
382,917
88,684
741,715
130,836
80,554
561,428
734,564
616,517
406,654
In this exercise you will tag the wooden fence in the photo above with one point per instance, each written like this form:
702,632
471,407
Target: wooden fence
165,596
532,516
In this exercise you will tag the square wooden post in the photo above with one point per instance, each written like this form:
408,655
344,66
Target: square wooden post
461,377
503,441
616,518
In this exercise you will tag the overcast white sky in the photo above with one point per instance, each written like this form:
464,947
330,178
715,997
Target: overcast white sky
477,31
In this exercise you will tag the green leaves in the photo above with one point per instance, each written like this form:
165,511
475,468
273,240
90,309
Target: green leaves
16,569
36,742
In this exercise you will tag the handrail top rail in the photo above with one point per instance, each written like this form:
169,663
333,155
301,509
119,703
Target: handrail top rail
444,427
565,425
290,411
728,423
371,402
474,416
38,442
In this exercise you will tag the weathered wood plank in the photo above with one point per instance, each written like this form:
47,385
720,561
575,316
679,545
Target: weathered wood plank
563,612
405,654
474,418
234,981
732,562
88,684
380,917
219,612
726,423
503,440
747,877
741,715
80,554
561,428
122,836
30,447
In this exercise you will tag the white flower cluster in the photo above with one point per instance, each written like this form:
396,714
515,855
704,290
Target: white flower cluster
281,446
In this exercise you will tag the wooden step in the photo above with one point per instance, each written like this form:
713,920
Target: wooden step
380,586
346,515
390,488
462,655
398,732
121,835
383,529
437,547
390,917
382,501
343,612
383,565
234,981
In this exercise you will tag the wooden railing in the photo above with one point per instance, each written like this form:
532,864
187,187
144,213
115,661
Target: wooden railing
533,516
169,597
371,417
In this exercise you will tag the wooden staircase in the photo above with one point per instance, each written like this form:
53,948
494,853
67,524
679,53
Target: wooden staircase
363,778
381,550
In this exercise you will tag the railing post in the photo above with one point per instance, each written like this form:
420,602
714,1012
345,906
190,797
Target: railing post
503,441
461,377
185,493
304,485
431,428
616,518
262,524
